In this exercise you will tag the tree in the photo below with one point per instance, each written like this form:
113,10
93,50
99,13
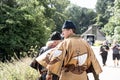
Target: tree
23,26
82,17
104,12
117,33
58,16
112,27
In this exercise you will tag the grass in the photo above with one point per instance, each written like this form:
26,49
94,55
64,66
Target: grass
18,70
98,43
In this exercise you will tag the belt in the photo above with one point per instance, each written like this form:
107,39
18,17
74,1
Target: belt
75,69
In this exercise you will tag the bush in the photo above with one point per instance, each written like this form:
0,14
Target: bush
97,43
18,70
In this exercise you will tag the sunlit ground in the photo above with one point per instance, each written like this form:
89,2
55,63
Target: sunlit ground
109,71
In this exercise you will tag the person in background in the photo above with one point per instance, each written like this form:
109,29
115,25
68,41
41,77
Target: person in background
104,52
55,39
72,57
116,54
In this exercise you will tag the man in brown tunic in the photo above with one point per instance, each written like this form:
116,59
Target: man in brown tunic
72,57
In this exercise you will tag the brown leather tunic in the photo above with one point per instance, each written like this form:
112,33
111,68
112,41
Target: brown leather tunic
70,64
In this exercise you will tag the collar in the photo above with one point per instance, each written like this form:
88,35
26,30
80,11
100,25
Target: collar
75,35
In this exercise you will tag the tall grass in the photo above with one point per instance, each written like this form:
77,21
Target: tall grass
18,70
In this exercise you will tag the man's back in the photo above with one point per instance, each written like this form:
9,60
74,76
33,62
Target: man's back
78,51
77,59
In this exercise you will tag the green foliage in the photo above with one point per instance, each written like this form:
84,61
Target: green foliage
100,19
82,17
18,71
103,9
58,16
117,30
59,5
113,26
23,26
58,19
117,33
109,29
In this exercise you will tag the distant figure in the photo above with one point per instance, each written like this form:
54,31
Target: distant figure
88,40
116,55
104,52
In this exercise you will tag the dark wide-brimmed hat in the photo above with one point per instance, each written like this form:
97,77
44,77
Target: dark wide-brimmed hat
68,24
55,36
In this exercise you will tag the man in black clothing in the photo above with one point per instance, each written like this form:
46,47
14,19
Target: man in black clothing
104,52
